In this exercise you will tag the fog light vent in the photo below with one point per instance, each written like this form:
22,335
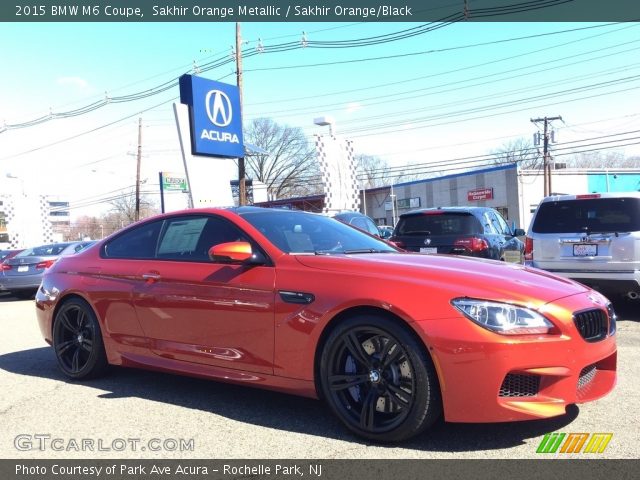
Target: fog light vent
518,385
587,374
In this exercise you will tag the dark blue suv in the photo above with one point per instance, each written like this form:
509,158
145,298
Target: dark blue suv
472,231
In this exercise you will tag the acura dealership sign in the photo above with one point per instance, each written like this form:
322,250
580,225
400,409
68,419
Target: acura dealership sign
214,115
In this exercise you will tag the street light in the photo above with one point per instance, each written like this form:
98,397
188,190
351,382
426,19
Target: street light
324,121
393,207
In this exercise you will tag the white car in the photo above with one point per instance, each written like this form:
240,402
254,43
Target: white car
593,239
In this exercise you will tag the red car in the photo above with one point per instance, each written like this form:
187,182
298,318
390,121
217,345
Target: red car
301,303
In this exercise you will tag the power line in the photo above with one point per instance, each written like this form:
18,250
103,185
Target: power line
403,34
382,128
391,97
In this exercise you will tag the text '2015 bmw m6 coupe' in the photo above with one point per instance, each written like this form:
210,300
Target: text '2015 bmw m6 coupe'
304,304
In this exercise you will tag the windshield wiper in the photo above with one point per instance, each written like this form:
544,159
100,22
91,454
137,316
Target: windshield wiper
366,250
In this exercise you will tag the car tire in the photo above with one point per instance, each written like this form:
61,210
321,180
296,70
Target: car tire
378,380
77,341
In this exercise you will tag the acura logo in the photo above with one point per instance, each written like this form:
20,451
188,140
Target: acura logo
218,108
427,241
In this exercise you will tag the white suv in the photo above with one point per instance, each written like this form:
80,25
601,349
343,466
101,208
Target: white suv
593,239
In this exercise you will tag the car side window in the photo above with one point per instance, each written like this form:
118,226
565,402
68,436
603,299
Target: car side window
504,226
139,242
372,228
490,223
189,238
365,224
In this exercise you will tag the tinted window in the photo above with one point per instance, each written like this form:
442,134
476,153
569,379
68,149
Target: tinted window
596,215
82,246
363,223
190,238
439,224
498,224
503,227
139,242
490,223
296,232
44,250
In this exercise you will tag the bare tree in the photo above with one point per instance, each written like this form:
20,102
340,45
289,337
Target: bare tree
290,168
600,159
520,151
373,171
123,208
84,227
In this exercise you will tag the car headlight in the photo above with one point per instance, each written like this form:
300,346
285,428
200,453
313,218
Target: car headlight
613,318
503,318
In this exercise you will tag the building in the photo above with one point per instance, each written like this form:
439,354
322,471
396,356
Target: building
513,192
30,220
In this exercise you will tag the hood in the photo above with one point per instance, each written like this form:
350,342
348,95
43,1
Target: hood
462,276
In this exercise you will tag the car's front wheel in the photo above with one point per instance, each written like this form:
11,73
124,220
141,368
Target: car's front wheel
378,379
77,340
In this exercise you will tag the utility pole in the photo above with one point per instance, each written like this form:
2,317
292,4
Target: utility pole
546,156
242,187
139,160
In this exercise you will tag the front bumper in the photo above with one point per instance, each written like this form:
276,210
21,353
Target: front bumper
487,377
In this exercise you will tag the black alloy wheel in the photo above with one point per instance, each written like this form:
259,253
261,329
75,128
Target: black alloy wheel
77,341
378,380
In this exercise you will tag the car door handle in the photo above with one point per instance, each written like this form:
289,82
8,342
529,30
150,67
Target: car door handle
151,277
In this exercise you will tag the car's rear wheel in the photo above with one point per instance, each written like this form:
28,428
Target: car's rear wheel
378,379
77,340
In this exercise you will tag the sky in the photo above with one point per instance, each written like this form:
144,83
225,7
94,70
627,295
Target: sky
440,96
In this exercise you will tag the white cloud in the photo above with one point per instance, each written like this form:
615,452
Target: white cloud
77,82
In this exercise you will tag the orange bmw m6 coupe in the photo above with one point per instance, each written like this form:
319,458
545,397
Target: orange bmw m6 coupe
301,303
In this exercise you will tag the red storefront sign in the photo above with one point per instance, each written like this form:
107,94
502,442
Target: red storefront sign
481,194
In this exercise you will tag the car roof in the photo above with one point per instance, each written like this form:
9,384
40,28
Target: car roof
472,210
585,196
349,214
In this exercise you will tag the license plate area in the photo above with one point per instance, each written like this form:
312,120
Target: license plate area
23,268
428,250
585,250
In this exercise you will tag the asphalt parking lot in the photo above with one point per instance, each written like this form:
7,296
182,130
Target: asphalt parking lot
154,415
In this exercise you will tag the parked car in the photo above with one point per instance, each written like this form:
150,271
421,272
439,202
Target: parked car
358,220
473,231
7,254
21,274
386,231
292,301
593,238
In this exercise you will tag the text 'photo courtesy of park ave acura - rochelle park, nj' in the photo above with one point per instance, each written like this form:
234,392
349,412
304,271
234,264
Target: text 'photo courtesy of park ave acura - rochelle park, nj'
323,239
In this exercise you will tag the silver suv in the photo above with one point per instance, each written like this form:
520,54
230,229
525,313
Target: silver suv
593,239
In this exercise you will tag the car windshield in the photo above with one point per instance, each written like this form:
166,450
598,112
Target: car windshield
593,215
439,223
298,232
44,250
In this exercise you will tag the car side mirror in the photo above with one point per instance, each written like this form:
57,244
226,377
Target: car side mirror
235,252
519,232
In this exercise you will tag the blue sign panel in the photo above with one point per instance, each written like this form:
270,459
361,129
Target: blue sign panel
214,113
